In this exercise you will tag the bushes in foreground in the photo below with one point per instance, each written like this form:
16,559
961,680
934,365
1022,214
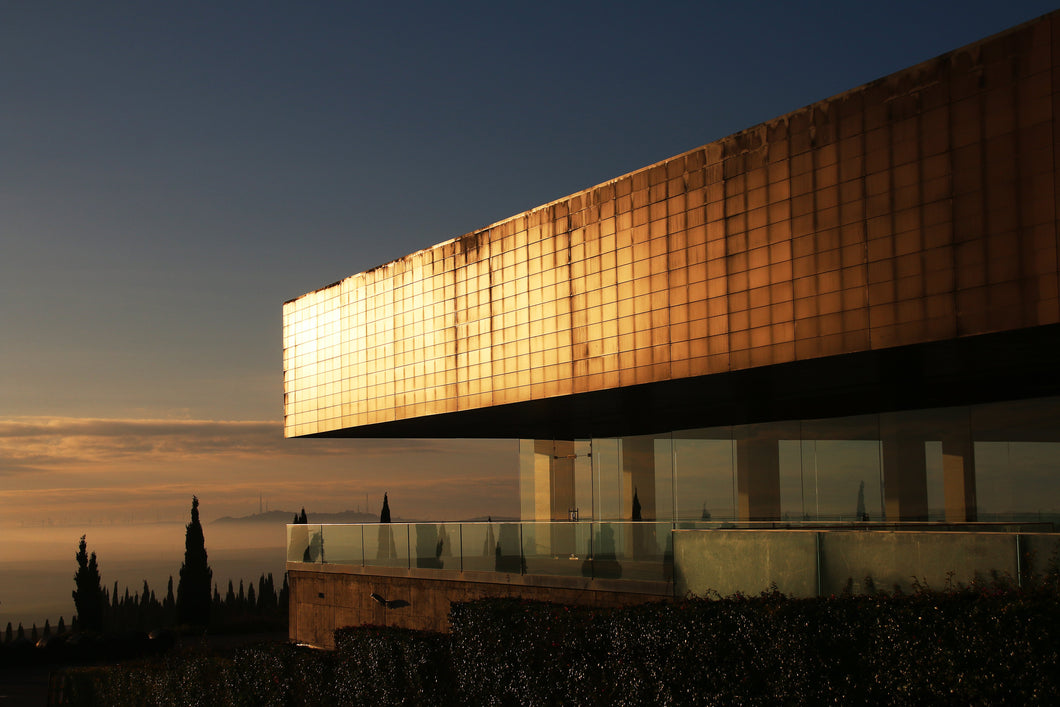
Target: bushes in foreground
960,648
967,647
371,666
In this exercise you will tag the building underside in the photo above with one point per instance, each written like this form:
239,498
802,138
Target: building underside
988,368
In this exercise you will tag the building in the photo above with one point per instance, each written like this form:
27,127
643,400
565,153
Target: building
822,348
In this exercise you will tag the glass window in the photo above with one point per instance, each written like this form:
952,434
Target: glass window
704,474
841,469
1017,458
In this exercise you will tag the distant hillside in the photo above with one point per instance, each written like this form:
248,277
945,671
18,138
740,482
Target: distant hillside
285,517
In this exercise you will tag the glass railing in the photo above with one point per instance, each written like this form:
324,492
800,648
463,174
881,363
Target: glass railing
641,550
629,550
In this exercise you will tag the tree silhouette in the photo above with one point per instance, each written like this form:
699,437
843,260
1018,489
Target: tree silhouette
193,590
387,548
861,514
88,595
169,606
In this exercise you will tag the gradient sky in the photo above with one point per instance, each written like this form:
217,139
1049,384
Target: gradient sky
171,173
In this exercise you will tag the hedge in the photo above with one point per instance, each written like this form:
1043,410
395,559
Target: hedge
958,647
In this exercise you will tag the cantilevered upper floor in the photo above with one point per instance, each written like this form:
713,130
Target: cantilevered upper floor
892,247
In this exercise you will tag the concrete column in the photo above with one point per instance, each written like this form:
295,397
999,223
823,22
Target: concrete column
562,479
538,484
905,479
758,479
958,473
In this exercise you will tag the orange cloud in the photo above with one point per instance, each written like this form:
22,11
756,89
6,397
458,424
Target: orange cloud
91,469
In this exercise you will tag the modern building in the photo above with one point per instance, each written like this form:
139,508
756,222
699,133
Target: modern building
822,348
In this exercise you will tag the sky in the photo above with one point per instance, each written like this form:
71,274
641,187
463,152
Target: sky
171,173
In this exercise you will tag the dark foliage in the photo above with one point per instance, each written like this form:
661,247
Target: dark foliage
384,515
88,595
196,577
382,666
371,667
967,647
973,646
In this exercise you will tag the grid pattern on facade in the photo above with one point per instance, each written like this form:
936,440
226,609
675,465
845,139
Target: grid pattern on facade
920,207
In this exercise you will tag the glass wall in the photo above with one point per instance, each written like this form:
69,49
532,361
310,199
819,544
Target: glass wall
997,462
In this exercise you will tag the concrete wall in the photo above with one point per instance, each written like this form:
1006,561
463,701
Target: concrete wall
918,208
806,563
327,597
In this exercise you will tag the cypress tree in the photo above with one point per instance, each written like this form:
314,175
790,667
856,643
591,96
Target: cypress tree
9,634
384,515
284,597
170,602
193,590
88,594
61,628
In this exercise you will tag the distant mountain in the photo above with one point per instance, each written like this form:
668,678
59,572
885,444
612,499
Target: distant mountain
285,517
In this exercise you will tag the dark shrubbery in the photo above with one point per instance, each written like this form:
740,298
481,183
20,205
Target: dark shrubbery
371,666
385,666
964,647
942,648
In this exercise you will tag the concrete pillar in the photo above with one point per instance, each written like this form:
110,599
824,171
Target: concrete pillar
905,479
758,479
561,479
958,473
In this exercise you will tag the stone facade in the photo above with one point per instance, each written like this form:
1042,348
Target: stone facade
328,597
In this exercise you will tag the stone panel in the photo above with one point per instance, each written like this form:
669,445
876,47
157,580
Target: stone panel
806,563
745,561
421,602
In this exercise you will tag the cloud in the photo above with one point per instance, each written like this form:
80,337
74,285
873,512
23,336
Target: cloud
37,443
96,468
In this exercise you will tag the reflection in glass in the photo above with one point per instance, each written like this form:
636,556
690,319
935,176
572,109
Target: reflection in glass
345,544
705,474
841,469
1017,460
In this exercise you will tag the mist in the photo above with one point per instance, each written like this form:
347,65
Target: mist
37,564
